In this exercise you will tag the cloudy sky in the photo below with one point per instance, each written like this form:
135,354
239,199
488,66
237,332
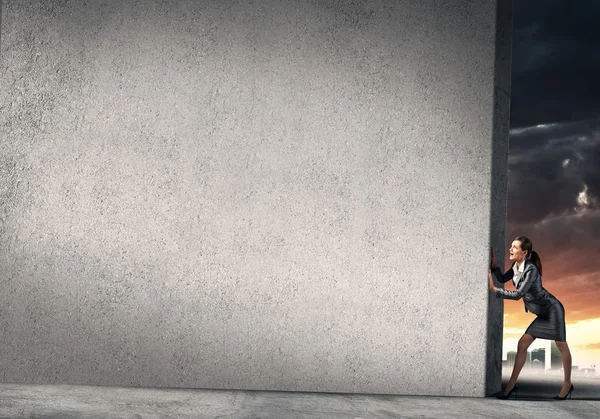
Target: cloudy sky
554,160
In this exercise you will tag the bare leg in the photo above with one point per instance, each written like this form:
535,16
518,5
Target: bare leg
567,366
520,359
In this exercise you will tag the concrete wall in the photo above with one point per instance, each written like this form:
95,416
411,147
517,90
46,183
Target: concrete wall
278,195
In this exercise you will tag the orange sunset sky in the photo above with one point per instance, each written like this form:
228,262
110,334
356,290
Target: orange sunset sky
571,272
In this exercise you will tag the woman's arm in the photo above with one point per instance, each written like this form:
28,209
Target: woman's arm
496,272
501,277
529,277
491,282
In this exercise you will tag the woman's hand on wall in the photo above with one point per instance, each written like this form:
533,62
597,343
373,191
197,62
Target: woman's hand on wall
494,262
491,281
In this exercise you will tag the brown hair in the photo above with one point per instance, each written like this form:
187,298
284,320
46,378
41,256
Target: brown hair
531,255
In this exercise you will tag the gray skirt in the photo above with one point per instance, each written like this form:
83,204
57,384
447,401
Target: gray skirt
550,324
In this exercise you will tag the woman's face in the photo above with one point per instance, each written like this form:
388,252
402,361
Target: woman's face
515,251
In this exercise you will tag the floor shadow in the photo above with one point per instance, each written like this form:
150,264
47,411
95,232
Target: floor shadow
544,388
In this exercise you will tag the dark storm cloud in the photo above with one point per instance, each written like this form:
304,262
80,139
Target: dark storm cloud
553,170
554,199
556,61
567,242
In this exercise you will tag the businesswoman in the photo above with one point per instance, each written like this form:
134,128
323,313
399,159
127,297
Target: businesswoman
526,274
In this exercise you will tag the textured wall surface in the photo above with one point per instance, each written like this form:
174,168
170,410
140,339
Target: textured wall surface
278,195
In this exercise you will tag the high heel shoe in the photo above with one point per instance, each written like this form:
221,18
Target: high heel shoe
507,396
557,397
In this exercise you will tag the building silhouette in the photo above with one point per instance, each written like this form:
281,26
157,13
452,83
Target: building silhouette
555,358
510,357
538,358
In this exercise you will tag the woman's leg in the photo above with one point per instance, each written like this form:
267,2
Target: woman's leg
567,361
520,359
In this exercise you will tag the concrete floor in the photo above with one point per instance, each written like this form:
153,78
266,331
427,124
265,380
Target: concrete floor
70,402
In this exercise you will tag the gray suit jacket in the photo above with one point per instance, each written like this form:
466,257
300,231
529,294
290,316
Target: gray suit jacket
529,287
